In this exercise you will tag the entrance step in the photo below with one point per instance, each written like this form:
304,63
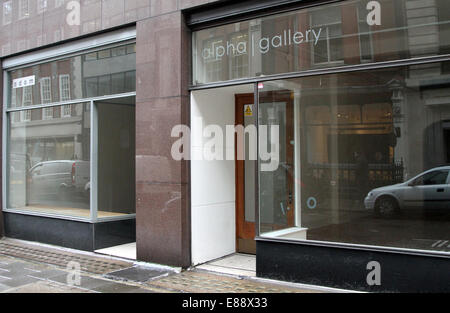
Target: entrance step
127,251
236,264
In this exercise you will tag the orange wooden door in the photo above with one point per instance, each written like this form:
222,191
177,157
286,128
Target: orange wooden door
245,228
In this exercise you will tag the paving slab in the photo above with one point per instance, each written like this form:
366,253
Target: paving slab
61,258
47,287
48,274
116,288
19,281
138,274
29,268
86,282
198,282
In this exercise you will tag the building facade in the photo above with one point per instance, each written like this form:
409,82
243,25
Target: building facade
314,134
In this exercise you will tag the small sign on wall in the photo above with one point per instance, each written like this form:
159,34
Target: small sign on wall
248,110
24,82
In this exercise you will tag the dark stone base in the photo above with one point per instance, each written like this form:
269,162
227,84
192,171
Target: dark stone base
69,234
346,268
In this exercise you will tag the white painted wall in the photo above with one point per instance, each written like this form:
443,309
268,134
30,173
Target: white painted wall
213,196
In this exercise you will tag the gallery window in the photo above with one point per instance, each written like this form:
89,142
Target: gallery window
361,154
363,158
70,151
325,36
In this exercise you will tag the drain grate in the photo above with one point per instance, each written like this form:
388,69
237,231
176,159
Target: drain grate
88,264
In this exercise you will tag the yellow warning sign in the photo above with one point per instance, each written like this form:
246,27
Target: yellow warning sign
248,110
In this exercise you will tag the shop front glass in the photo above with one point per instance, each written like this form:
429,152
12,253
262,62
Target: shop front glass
363,158
52,149
343,34
362,120
49,161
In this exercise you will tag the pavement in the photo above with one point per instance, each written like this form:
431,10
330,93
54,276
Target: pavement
33,268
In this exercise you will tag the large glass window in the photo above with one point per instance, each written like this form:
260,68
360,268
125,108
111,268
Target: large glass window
49,164
339,34
363,158
91,75
50,156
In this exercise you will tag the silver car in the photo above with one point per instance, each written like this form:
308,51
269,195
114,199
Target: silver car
429,190
58,178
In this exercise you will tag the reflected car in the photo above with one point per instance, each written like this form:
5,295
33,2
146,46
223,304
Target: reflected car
430,191
58,179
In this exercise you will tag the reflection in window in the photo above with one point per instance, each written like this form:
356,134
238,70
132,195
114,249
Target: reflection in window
46,97
64,92
239,61
91,56
50,166
27,100
360,153
106,72
365,35
111,84
343,38
432,178
46,90
329,46
104,54
213,64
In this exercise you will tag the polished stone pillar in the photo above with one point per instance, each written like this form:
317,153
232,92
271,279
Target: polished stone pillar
162,102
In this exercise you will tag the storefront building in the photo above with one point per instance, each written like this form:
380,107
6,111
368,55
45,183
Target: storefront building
319,134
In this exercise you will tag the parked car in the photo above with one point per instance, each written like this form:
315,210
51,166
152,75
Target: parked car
59,179
430,191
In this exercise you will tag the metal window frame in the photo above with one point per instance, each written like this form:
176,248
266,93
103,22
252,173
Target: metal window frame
93,219
105,41
325,71
219,13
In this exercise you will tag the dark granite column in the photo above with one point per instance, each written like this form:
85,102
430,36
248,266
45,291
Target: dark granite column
162,184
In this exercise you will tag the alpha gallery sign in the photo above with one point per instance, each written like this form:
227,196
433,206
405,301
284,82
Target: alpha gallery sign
263,45
282,43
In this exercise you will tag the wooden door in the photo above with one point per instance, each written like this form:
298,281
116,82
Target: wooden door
245,227
246,115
